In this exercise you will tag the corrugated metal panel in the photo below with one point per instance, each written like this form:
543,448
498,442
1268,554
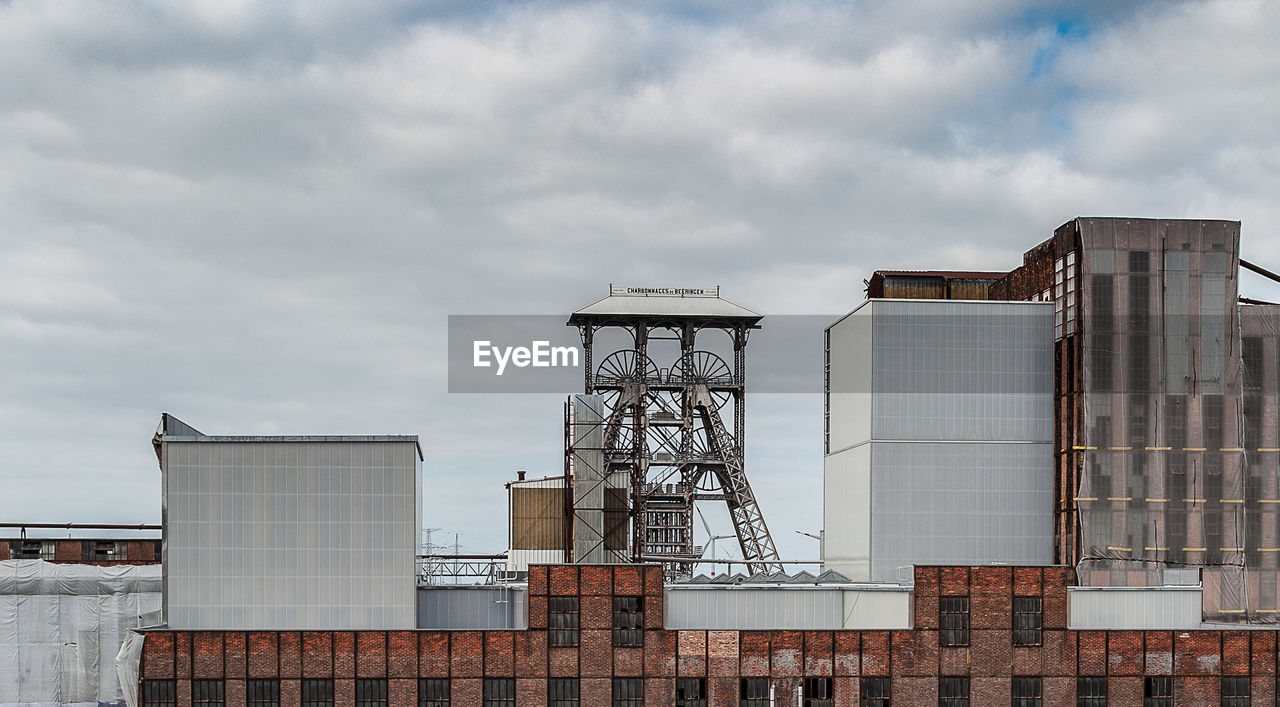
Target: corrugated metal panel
915,287
537,516
1124,608
787,607
473,607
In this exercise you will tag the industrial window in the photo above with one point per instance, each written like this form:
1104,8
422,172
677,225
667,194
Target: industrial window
207,692
317,693
562,692
26,550
817,693
263,693
159,693
1213,422
563,621
1139,360
499,692
875,692
434,692
1137,421
628,621
48,550
371,692
691,692
954,621
1158,692
1252,422
1139,261
1235,692
1091,692
1254,371
104,551
1027,613
953,692
628,692
1027,692
755,692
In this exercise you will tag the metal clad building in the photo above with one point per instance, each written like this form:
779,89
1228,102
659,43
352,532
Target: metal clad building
938,439
289,532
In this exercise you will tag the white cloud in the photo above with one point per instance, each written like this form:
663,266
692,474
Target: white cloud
257,215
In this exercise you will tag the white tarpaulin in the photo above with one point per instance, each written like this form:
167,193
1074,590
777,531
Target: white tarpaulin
61,627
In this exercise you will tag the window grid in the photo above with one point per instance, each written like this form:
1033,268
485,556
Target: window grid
628,692
159,693
562,621
207,692
500,692
954,621
433,692
875,692
1235,692
628,621
371,692
1027,692
755,692
562,692
317,693
953,692
1091,692
1158,692
263,693
691,692
817,693
1027,613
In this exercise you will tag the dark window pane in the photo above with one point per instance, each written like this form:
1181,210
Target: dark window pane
433,692
1091,692
875,692
691,692
562,621
1158,692
628,692
317,693
628,621
954,621
500,692
159,693
371,692
263,693
953,692
562,692
1027,692
1027,613
817,693
1235,692
755,692
207,692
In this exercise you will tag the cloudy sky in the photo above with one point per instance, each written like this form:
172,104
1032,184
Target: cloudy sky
258,216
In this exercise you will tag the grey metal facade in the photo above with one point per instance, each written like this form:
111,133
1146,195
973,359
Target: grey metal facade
473,607
290,532
939,429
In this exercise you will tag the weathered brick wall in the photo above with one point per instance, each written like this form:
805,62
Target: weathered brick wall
913,659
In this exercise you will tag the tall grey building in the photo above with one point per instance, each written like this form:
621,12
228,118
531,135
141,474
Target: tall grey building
938,436
289,532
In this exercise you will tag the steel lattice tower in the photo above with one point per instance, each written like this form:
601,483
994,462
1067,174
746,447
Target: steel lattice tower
663,424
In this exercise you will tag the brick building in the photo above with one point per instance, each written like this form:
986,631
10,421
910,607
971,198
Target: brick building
982,636
102,552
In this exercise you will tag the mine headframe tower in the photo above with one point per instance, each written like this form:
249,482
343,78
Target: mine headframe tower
663,421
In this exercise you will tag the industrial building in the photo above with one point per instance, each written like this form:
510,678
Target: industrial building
1025,474
1164,433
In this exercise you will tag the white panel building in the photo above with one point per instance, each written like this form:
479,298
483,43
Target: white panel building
938,436
299,533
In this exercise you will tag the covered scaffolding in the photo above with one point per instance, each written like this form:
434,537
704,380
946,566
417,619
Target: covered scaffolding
62,625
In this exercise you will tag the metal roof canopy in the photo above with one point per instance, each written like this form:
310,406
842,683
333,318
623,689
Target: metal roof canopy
662,303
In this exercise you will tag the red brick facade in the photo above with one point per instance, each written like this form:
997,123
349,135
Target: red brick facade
81,552
913,660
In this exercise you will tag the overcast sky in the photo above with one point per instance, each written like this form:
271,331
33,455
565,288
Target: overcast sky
258,216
